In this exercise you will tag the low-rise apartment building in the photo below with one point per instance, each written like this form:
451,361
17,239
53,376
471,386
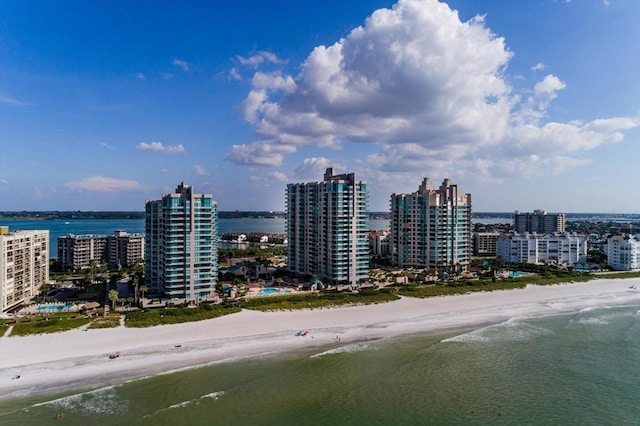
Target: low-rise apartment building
558,248
484,243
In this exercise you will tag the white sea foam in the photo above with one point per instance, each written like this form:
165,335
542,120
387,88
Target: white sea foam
213,395
508,330
603,316
351,348
99,401
196,401
180,404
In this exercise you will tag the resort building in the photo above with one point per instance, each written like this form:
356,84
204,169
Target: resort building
557,248
538,221
327,229
623,252
431,228
80,251
24,266
124,249
181,245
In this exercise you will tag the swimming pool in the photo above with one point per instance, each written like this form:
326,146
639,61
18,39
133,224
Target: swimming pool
516,274
53,308
272,292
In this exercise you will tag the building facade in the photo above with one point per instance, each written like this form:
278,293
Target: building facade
181,245
122,249
24,266
623,252
431,228
538,221
484,243
558,248
327,229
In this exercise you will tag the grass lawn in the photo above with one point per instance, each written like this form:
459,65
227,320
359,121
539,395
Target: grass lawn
311,301
47,324
150,317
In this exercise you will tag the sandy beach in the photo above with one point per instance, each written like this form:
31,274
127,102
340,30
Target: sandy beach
80,357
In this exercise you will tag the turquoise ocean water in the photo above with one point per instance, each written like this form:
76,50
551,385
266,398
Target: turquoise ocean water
577,369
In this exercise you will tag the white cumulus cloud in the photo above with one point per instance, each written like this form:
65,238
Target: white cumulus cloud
104,184
201,170
181,63
423,88
260,58
159,147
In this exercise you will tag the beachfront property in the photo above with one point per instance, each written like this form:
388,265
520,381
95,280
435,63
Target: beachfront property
623,252
539,222
79,251
431,228
327,229
181,245
558,248
24,266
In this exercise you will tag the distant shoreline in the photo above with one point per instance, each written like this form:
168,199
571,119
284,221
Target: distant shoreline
120,215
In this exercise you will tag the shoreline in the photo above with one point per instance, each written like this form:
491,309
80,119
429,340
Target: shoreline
79,358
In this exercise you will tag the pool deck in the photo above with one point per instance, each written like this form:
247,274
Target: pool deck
32,310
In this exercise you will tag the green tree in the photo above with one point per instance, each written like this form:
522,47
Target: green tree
113,296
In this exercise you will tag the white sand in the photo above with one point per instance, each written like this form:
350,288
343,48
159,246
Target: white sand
80,357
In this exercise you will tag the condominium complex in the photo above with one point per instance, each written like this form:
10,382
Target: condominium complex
79,251
181,245
431,228
538,221
623,252
24,266
484,243
327,229
557,248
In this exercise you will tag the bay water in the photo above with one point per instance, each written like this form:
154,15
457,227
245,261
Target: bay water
60,228
575,369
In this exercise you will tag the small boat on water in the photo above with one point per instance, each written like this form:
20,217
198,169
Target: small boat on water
114,355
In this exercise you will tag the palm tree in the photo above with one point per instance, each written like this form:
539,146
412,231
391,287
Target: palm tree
143,290
113,296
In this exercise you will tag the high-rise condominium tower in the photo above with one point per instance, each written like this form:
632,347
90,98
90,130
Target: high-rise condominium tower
538,221
431,228
327,229
181,244
24,266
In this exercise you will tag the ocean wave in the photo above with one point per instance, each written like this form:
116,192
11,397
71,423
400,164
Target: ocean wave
98,401
350,348
508,330
195,401
602,316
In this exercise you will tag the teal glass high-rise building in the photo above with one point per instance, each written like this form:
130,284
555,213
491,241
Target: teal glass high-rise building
181,245
327,229
431,228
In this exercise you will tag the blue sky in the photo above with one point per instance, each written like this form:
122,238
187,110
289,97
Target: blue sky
524,104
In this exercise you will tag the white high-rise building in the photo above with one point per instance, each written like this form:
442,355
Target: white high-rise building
623,252
24,266
327,229
431,228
